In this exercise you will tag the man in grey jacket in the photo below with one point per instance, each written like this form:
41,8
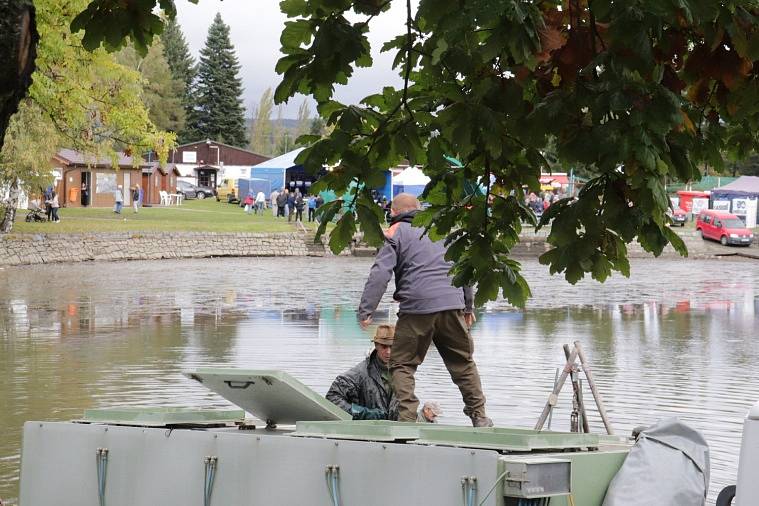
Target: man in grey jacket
432,310
366,391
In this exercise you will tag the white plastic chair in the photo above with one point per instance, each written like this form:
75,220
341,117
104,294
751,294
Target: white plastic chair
165,199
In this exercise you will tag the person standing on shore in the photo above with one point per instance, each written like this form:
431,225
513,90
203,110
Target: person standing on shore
290,206
85,194
300,203
54,205
432,310
260,202
248,202
47,195
136,198
273,200
311,208
118,200
281,203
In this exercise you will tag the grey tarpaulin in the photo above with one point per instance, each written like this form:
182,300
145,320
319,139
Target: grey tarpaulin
669,465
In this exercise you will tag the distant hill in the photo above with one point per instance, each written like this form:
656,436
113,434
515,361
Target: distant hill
287,123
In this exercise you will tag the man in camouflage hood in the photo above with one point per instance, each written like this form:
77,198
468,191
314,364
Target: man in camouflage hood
365,391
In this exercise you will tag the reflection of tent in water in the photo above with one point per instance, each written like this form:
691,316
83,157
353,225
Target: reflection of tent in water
339,322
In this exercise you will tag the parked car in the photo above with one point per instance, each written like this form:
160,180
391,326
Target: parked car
191,191
678,217
723,227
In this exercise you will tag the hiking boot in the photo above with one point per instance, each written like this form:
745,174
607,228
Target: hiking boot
482,421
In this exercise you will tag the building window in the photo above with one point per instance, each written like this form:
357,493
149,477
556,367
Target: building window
105,182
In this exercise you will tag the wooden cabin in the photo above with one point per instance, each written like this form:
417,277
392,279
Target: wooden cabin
86,180
157,178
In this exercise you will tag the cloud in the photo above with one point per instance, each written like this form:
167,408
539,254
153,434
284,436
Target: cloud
255,27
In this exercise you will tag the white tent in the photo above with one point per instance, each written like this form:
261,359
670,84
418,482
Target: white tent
411,180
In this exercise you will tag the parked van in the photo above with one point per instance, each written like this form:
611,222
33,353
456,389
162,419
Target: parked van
227,192
723,227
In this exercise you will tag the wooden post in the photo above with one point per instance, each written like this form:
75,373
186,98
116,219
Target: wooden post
556,389
577,394
593,389
550,414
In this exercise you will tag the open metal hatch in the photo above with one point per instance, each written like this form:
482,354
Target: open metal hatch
270,395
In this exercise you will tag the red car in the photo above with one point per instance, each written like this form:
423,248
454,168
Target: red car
723,227
678,217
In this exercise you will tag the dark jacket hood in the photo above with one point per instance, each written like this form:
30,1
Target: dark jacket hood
404,217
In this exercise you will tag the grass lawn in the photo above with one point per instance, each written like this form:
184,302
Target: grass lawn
192,216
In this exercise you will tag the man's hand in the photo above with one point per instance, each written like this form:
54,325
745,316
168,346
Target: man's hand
469,318
365,323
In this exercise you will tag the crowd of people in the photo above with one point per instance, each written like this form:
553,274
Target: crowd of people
284,204
540,202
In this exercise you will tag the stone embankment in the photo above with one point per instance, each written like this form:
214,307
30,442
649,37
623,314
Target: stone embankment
29,249
534,244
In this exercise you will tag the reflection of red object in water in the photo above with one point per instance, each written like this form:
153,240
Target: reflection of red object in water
682,306
71,310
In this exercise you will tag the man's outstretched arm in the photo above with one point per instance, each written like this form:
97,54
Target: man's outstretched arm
379,277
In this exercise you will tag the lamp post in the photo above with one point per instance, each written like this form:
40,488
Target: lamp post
210,146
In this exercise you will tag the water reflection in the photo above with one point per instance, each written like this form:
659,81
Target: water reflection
670,341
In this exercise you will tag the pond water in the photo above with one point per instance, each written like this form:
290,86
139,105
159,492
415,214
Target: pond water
676,339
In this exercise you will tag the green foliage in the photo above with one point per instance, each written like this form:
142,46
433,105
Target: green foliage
631,94
261,140
218,112
83,100
110,22
747,167
162,93
304,119
30,143
182,66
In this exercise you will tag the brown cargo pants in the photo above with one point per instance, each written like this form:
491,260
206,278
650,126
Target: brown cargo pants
449,332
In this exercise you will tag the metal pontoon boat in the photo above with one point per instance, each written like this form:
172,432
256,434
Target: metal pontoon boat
307,451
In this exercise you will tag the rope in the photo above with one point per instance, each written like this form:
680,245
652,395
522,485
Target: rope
331,477
469,490
101,456
210,476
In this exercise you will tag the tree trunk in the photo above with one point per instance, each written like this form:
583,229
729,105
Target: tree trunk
18,50
10,210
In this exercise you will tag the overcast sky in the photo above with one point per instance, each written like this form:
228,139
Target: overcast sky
255,27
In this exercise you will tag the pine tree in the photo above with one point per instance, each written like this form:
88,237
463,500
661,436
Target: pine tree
218,113
182,67
162,93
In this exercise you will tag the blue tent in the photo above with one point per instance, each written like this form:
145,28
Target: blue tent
277,170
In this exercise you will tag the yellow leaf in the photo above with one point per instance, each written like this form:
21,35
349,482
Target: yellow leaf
556,79
687,122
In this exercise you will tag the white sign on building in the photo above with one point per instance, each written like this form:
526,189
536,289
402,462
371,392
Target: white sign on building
699,205
751,209
721,205
189,157
740,207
